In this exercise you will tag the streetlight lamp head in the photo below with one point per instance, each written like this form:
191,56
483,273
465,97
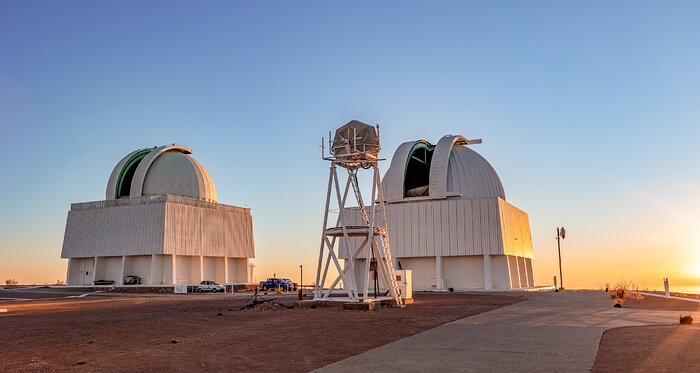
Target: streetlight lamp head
561,233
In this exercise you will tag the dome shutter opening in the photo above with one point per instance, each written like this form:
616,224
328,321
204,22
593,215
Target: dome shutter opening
126,174
417,177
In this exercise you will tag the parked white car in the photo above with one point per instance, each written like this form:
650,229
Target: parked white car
212,286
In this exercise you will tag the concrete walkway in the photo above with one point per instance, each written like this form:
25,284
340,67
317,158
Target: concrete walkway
551,332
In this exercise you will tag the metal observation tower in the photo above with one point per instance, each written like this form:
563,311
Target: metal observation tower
355,147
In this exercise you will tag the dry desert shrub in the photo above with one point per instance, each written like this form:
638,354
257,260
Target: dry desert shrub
620,290
686,320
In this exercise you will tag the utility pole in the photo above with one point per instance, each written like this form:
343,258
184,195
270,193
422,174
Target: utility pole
561,234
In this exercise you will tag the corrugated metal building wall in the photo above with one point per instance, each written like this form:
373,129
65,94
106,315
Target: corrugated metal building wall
158,225
452,227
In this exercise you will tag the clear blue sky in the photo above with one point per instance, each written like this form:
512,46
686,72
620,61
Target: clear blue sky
589,112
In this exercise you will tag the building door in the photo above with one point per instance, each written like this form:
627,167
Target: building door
87,272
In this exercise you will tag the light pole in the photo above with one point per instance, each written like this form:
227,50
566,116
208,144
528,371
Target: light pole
561,234
300,295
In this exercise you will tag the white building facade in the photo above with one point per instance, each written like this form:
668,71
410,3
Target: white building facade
160,221
449,221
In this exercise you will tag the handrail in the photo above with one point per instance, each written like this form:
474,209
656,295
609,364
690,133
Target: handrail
160,198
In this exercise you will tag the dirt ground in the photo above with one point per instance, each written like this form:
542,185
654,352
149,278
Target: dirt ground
682,295
665,348
185,333
657,303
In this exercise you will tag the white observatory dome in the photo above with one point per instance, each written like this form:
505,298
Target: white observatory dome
450,168
163,170
472,176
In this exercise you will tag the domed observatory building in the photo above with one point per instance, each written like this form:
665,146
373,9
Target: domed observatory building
449,221
160,222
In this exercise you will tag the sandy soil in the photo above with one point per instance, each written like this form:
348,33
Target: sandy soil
656,303
682,295
667,348
136,334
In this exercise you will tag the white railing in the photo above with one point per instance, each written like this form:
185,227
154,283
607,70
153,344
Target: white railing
161,198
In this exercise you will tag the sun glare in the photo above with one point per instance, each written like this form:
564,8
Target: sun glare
693,268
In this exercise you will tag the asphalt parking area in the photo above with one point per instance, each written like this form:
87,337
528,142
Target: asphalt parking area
38,293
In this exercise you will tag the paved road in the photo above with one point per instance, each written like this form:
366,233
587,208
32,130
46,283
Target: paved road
36,293
552,332
15,296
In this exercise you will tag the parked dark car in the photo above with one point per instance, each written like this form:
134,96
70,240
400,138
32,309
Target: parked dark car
132,280
294,285
274,283
103,282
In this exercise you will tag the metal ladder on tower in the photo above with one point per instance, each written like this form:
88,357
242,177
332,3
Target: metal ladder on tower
385,249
